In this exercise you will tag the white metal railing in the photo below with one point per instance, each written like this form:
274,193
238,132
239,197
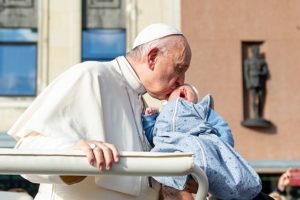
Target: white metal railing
13,161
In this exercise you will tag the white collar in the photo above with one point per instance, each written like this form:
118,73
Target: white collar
130,76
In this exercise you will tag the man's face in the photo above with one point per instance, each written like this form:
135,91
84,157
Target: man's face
169,71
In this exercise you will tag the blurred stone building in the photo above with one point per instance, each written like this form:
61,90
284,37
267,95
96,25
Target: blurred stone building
39,39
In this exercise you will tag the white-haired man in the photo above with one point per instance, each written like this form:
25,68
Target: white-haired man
80,108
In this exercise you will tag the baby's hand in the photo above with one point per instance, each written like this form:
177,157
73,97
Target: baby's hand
151,110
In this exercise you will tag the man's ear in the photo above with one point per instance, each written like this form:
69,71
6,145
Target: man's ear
151,57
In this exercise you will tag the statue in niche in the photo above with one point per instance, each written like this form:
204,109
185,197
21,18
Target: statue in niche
255,74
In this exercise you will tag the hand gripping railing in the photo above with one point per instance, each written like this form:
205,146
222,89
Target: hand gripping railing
14,161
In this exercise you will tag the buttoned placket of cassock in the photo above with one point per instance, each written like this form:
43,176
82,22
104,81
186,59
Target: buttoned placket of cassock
134,90
137,100
138,121
147,144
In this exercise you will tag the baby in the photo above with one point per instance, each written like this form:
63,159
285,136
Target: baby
189,93
186,124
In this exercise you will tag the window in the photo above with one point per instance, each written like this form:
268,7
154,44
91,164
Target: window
103,29
103,44
18,62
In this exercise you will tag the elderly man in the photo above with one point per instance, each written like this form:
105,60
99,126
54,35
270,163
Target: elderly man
96,107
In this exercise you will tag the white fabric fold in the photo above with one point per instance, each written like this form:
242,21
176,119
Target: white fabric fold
89,101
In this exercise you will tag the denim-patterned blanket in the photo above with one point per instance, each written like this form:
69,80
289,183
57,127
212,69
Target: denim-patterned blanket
182,127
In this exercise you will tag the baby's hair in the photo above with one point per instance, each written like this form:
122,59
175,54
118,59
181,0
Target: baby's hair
195,91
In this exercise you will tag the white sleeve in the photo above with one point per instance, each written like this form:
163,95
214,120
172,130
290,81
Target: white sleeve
43,143
69,109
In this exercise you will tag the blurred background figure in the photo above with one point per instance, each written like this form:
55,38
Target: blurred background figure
288,186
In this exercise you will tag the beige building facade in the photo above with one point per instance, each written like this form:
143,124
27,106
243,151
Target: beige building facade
60,37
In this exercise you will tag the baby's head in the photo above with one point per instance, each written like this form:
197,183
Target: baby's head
187,92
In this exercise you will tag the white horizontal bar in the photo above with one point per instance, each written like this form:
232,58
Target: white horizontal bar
75,163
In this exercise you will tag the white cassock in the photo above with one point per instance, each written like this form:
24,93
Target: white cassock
91,101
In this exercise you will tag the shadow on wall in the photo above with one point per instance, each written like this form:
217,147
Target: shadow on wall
272,129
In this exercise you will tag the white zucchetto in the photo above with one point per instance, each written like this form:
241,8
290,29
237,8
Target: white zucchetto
154,32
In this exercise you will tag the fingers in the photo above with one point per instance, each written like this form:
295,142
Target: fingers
115,152
85,147
100,162
99,154
151,110
104,155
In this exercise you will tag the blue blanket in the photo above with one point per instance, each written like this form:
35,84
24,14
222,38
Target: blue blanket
182,127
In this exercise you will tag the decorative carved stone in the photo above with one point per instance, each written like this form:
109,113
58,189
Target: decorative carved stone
18,13
103,14
255,76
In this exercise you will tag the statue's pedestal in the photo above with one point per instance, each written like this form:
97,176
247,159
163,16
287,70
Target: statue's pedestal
256,123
